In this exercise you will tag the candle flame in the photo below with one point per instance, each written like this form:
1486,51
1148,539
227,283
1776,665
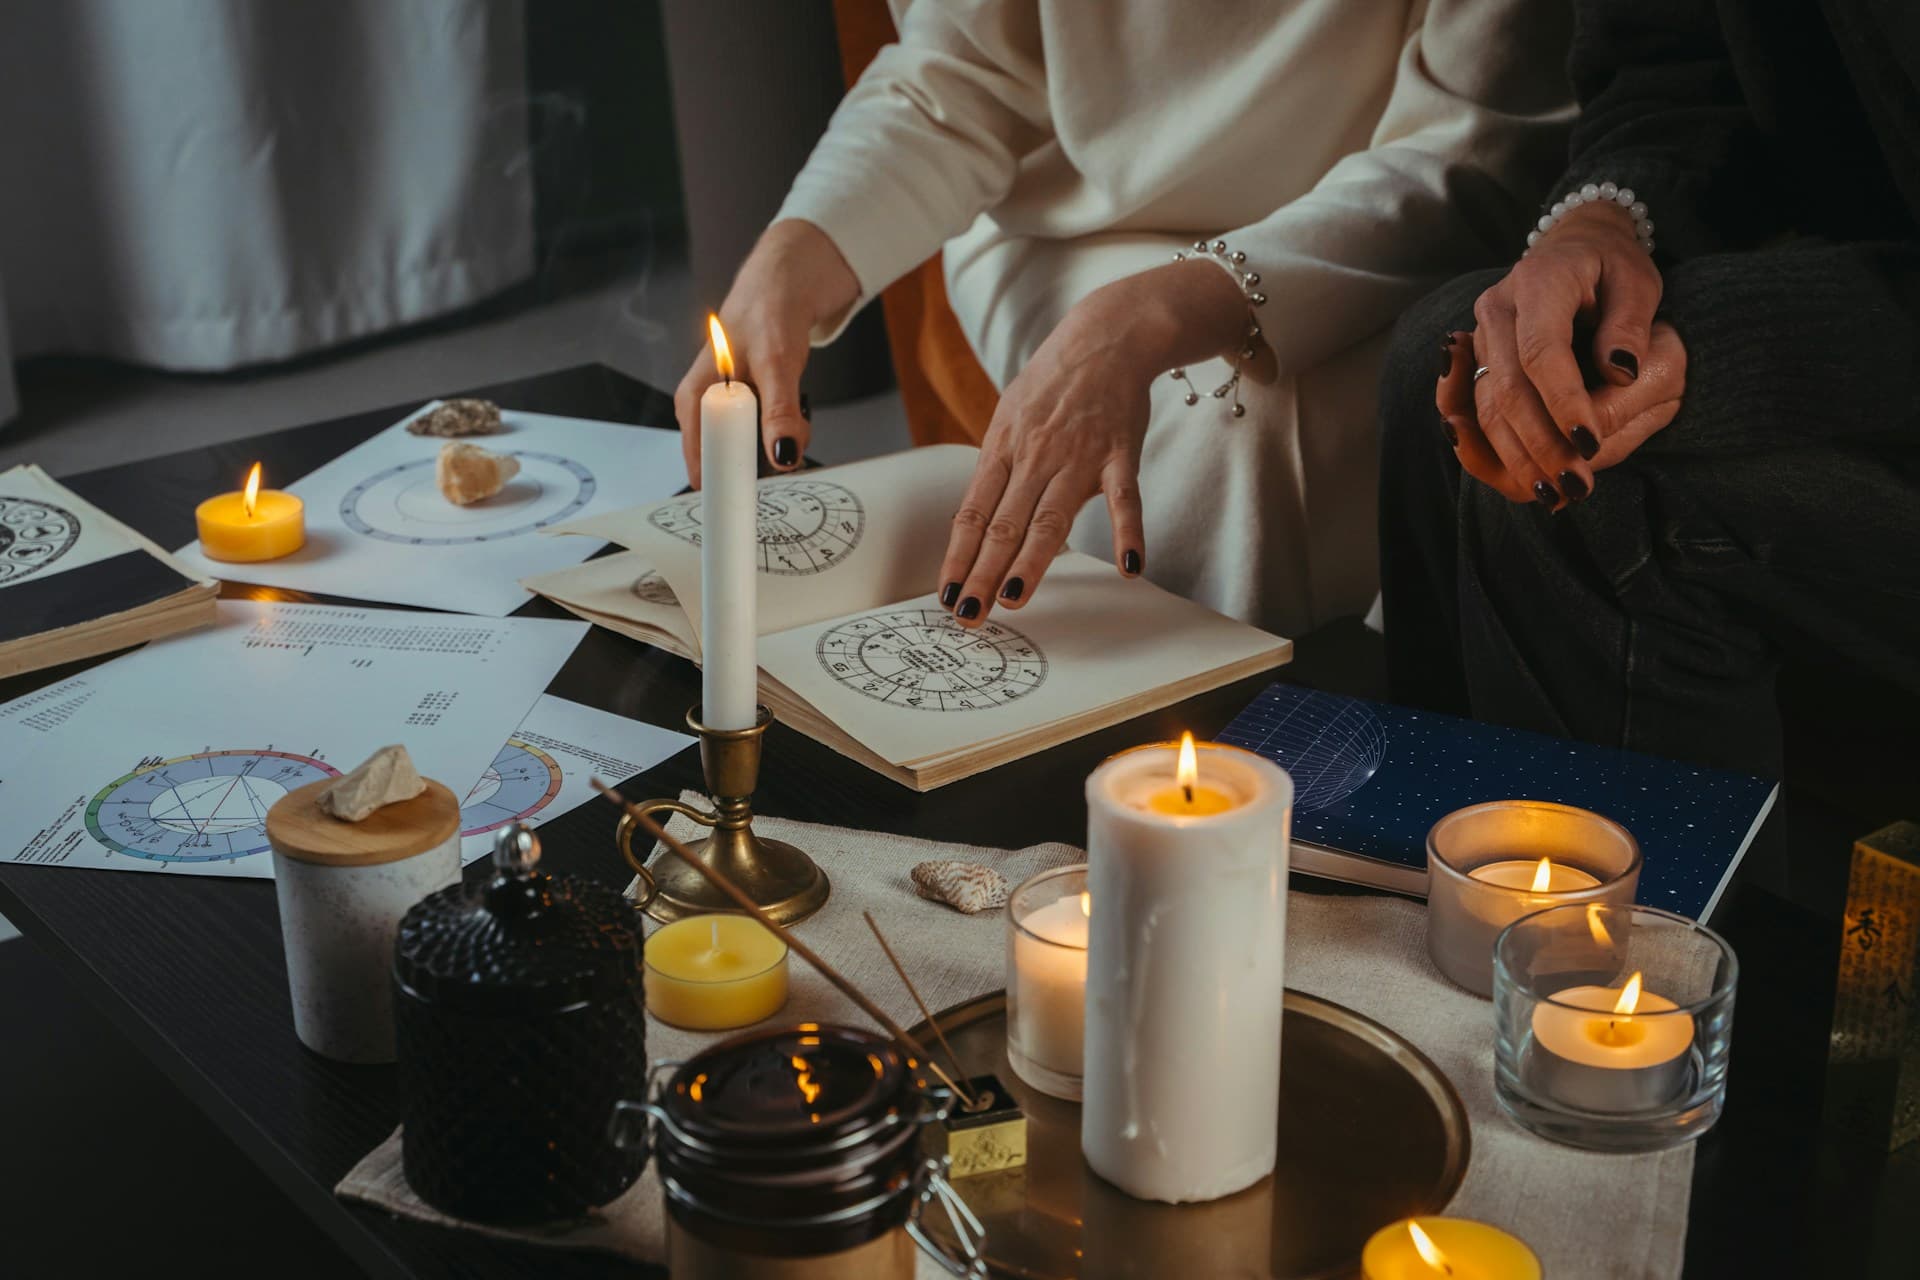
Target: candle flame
1629,995
1543,876
1086,904
1188,771
1598,927
722,353
253,490
1429,1251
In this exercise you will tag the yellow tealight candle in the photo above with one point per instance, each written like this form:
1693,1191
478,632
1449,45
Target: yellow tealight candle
714,973
252,524
1446,1249
1188,797
1544,876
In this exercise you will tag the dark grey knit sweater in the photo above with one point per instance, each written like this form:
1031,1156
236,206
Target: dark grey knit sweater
1777,146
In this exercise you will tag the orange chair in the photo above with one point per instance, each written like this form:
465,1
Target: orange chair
948,396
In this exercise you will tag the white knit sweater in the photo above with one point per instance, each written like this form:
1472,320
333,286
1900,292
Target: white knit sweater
1356,150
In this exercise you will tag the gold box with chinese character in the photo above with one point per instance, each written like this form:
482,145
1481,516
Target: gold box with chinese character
1873,1006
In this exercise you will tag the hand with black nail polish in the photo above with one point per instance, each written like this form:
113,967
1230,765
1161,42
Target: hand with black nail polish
794,279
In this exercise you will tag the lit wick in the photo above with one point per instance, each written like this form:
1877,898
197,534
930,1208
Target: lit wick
722,355
1188,771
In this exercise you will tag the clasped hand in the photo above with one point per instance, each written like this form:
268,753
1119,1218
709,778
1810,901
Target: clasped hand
1535,426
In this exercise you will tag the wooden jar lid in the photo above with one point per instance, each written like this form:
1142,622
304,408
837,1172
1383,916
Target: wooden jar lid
300,829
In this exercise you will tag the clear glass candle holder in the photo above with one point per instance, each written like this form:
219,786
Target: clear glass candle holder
1047,980
1612,1025
1482,862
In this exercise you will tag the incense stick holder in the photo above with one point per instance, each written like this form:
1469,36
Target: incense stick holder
782,881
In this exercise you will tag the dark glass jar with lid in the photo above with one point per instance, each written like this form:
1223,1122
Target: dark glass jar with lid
521,1025
795,1153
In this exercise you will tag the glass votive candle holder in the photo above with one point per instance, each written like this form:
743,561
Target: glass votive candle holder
1612,1025
1489,864
1047,980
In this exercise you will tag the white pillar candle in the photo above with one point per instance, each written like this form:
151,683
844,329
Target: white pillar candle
1047,980
1185,971
729,551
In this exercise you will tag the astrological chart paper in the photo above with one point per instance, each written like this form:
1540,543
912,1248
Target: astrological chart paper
547,767
168,759
378,527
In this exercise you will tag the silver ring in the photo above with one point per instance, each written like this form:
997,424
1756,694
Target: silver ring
1480,373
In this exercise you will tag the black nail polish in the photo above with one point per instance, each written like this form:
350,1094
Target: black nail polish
970,607
785,451
1622,358
806,407
949,593
1012,589
1448,339
1544,495
1573,486
1446,429
1130,561
1584,441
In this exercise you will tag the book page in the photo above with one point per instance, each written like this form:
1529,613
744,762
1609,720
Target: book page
47,529
833,541
622,585
909,682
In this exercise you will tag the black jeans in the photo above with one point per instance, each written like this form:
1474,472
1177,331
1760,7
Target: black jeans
1656,614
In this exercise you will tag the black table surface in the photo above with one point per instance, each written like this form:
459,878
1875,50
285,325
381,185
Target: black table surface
191,969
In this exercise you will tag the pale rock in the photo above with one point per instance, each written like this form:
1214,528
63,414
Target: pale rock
386,776
467,473
459,418
964,886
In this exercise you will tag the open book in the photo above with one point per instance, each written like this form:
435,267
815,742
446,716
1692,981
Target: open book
856,651
75,582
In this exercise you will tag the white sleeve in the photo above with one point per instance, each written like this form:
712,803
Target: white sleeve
1476,125
928,138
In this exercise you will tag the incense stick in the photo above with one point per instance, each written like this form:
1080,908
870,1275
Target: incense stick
953,1058
726,886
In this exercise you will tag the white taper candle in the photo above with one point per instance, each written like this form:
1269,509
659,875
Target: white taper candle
729,551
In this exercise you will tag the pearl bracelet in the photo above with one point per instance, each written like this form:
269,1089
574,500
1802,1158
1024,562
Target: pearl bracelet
1249,281
1589,194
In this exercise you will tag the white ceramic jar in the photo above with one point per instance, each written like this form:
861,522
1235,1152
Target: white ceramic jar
343,887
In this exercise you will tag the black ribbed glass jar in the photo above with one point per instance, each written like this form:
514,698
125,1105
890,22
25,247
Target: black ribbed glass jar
521,1025
800,1143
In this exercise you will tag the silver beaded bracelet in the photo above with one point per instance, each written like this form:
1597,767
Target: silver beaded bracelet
1589,194
1249,281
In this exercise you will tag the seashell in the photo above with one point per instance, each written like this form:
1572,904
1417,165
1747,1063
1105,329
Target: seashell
467,473
459,418
964,886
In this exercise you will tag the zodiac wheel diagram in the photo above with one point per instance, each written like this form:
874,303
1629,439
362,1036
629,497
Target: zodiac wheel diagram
208,807
805,526
521,781
403,503
33,534
922,658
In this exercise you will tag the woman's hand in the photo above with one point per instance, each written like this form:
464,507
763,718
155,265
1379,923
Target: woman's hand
1071,425
793,279
1624,417
1533,406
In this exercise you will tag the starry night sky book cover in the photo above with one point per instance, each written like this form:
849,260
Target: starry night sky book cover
1370,779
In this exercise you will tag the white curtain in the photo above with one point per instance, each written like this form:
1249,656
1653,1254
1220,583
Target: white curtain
205,184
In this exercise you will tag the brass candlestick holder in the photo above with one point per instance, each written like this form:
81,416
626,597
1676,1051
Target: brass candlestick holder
782,881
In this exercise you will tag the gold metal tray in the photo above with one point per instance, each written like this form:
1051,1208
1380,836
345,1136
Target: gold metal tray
1370,1132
